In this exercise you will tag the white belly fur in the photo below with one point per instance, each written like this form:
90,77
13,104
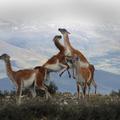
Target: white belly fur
54,67
28,82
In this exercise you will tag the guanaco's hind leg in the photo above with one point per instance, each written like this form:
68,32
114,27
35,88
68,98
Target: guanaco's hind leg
84,87
89,87
33,91
19,93
78,90
73,71
47,94
95,85
84,91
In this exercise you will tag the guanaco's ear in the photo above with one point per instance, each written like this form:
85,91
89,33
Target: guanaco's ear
59,36
63,30
68,32
59,29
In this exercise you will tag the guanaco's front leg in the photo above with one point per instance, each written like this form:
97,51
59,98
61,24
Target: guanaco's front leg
73,71
65,67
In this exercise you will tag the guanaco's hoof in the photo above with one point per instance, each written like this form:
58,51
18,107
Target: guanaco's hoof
74,77
60,75
69,76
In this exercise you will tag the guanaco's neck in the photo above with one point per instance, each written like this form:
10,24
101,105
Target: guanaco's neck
9,70
67,42
59,45
69,48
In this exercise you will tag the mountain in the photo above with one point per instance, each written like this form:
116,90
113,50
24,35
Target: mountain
106,82
6,84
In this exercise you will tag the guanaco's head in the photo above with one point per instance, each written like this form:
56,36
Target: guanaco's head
72,59
75,59
57,37
5,57
63,31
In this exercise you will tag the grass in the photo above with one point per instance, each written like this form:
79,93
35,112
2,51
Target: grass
61,107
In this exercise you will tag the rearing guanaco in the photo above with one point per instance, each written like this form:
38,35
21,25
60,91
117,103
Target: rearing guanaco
57,62
70,51
81,77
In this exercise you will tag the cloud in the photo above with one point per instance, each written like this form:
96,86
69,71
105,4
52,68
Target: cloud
59,10
94,27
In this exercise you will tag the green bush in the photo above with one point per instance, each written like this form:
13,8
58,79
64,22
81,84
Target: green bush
52,88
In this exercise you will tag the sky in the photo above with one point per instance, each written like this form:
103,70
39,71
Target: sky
94,27
66,11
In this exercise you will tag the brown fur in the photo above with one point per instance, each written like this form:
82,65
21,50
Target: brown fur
59,56
40,75
53,59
